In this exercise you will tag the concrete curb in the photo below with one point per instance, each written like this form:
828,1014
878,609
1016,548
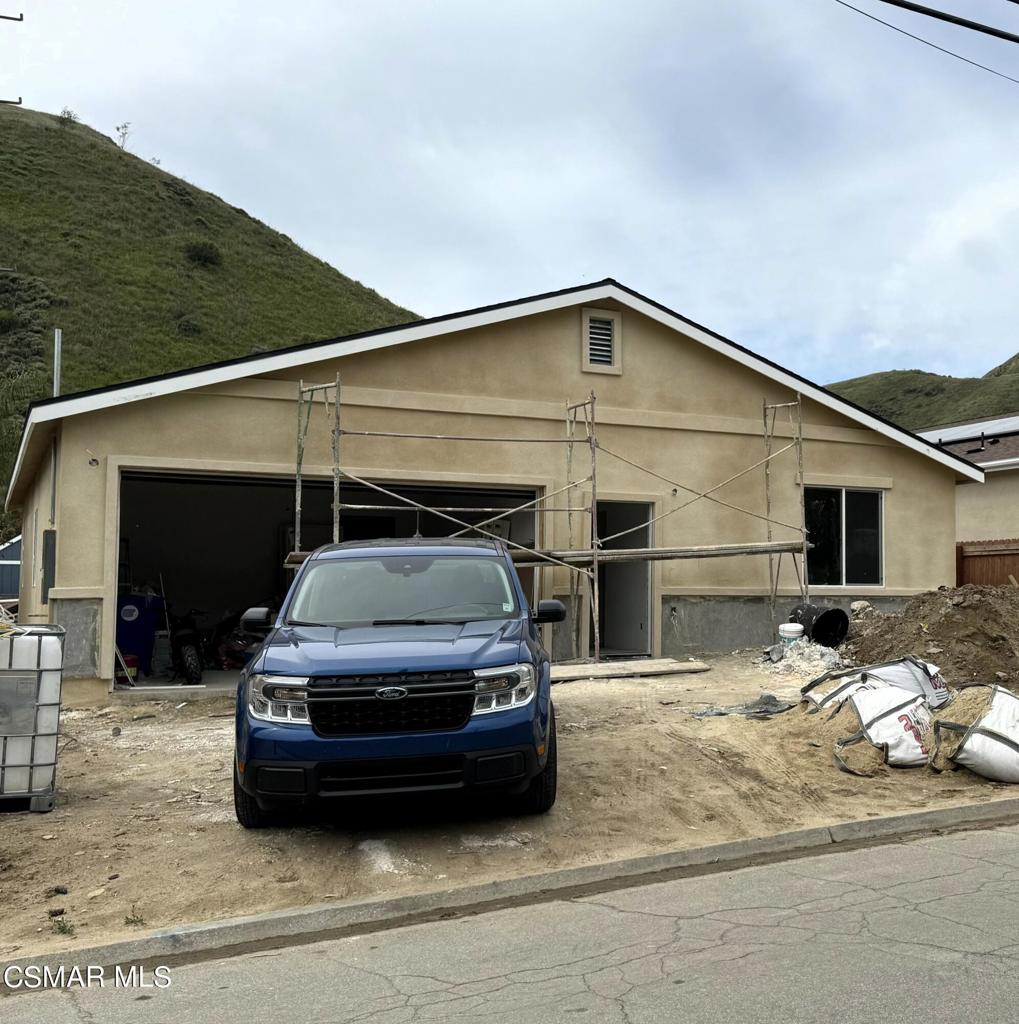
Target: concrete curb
229,937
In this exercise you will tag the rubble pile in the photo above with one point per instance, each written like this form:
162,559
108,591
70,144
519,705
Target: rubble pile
971,632
802,658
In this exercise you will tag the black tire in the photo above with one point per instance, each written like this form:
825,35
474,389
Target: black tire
540,795
249,814
191,663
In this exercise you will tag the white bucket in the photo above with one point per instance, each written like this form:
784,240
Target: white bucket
790,631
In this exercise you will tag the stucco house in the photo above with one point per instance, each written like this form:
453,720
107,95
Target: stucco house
188,478
990,512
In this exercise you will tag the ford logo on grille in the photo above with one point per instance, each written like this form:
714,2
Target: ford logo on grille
391,693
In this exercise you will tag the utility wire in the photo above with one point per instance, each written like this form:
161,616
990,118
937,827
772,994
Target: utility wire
952,19
927,42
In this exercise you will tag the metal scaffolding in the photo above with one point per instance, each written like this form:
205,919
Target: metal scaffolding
582,563
795,410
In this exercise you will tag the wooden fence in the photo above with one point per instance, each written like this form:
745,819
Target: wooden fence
990,562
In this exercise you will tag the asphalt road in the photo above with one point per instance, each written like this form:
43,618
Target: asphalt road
920,931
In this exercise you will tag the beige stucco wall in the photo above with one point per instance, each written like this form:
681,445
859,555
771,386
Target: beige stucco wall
682,410
988,511
35,518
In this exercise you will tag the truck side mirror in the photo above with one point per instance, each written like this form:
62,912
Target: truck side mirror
550,611
257,620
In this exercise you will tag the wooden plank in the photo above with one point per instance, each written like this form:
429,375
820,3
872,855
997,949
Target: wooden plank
584,557
625,669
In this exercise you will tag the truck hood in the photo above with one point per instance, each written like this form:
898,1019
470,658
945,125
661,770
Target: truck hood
328,651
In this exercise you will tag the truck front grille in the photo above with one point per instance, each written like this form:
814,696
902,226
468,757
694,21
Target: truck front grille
348,705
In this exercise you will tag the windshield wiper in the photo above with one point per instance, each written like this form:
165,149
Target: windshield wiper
419,622
324,625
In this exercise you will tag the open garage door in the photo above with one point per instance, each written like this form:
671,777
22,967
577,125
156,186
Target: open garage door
217,543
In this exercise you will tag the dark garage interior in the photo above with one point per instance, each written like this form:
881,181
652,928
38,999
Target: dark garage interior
218,543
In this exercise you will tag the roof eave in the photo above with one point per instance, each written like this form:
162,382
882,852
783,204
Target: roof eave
249,366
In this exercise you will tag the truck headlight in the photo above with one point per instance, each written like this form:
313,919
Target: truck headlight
278,698
499,689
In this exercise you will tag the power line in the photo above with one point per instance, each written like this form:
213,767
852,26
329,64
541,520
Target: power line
953,19
927,42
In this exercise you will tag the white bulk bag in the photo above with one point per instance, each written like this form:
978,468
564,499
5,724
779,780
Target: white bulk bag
830,691
990,746
895,720
909,673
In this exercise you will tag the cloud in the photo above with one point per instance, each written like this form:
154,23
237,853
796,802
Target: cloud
795,176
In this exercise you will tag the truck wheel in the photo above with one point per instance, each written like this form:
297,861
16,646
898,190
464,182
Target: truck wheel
192,664
249,814
540,794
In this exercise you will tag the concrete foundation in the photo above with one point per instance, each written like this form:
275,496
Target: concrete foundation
81,618
712,625
561,647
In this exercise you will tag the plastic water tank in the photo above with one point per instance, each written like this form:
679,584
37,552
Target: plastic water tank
31,666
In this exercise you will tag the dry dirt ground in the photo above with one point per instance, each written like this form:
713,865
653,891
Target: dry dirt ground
144,837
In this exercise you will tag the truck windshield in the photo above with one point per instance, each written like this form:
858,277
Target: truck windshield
389,589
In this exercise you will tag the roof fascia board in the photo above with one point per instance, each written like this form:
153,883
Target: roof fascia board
273,362
794,383
285,360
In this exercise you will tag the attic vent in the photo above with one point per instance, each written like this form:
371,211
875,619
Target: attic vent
600,341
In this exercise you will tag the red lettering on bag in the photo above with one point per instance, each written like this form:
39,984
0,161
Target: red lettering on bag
908,725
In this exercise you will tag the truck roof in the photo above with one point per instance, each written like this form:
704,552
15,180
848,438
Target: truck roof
411,546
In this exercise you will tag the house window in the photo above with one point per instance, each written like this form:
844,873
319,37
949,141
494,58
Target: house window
601,341
845,527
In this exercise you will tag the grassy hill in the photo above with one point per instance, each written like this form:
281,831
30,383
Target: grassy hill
144,272
919,400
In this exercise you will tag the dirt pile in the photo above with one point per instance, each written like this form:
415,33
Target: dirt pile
140,840
968,707
971,632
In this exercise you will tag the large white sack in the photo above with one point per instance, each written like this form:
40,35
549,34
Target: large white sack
991,745
829,694
895,720
909,673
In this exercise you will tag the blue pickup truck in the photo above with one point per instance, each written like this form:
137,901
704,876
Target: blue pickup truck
397,667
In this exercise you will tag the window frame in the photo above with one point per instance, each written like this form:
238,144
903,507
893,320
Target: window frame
587,313
842,489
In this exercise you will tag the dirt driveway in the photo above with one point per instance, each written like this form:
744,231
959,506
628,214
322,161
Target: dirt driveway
144,835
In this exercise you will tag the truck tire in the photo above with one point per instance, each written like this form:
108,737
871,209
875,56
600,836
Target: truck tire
191,664
249,814
540,795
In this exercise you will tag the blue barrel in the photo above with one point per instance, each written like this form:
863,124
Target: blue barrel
138,618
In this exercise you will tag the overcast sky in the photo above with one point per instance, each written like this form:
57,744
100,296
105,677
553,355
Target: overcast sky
805,181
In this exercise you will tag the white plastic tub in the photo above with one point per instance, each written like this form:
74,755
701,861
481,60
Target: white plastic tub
790,631
31,664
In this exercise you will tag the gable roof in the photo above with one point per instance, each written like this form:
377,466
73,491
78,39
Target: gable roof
51,409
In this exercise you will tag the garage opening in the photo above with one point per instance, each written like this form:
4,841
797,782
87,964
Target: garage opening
216,545
624,588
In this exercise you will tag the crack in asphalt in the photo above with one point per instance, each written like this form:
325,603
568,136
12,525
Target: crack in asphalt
926,905
854,914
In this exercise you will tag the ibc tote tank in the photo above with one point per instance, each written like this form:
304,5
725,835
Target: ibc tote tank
31,664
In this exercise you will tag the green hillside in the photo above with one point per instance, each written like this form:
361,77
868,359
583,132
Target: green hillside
144,272
918,400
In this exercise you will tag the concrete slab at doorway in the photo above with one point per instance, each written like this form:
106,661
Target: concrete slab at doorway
624,669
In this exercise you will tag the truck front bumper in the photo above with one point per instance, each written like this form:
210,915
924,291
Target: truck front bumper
280,764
